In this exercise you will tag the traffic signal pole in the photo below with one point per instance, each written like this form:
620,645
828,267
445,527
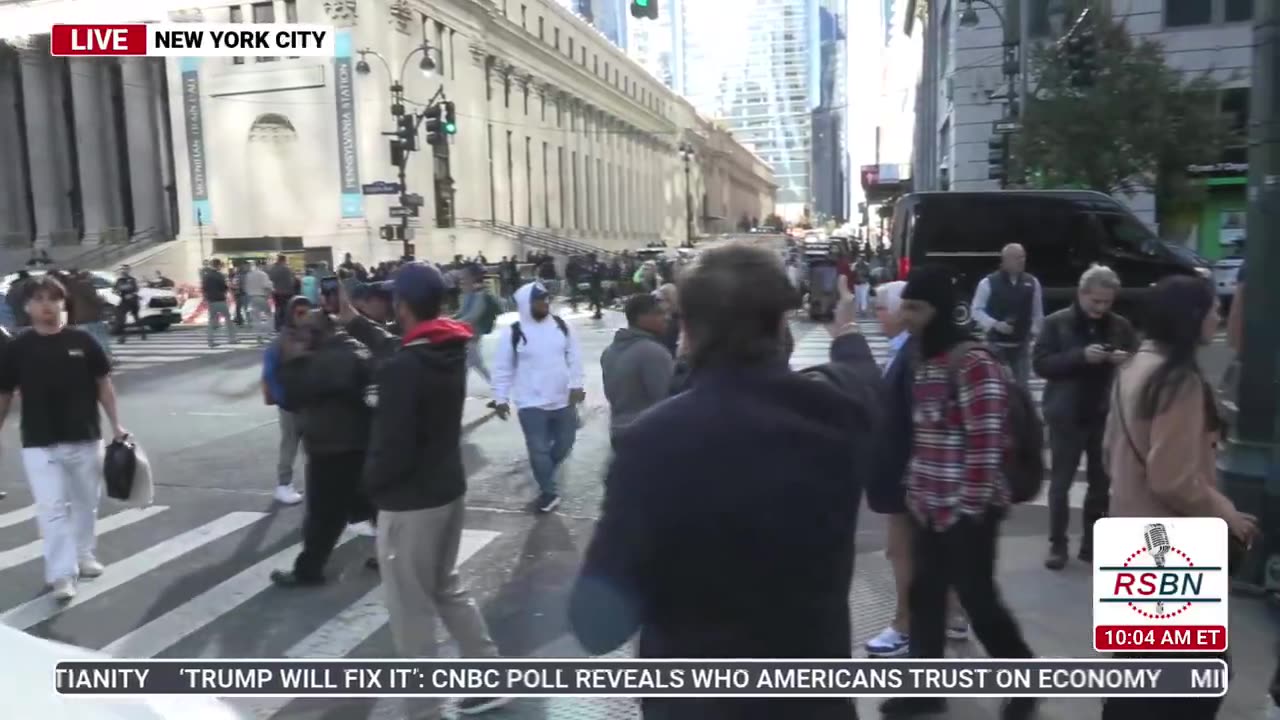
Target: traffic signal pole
1250,463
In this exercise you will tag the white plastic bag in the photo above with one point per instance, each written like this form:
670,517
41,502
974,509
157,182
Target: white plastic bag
144,491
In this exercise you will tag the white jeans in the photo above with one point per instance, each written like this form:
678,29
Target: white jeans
861,294
66,482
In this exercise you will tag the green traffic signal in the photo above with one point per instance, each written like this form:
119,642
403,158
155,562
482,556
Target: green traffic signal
642,3
450,128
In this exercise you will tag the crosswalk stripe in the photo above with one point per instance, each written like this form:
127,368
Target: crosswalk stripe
167,630
42,608
35,550
348,629
17,517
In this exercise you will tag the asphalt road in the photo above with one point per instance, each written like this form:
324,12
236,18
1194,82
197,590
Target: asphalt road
188,576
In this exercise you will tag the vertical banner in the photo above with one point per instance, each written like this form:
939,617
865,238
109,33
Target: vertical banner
196,158
348,145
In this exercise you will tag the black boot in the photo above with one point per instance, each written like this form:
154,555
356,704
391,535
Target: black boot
1057,558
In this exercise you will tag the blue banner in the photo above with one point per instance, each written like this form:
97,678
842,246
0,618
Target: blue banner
348,141
196,157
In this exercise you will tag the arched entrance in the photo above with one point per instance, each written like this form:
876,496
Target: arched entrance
275,167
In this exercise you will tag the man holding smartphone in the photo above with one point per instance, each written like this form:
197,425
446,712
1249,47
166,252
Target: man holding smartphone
1077,353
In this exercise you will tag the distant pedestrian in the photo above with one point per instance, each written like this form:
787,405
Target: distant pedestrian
129,303
63,376
1008,305
257,289
284,285
479,310
1077,354
636,367
538,368
215,290
273,393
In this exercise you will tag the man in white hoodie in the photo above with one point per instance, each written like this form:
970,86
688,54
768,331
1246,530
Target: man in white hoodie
539,368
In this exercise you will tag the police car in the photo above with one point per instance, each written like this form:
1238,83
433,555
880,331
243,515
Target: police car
157,307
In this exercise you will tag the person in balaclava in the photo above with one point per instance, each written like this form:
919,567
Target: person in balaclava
956,491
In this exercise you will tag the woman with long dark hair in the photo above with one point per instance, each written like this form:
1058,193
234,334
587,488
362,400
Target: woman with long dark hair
1161,441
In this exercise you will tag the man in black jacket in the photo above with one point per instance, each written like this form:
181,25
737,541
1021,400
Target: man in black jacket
326,374
737,539
1077,354
414,474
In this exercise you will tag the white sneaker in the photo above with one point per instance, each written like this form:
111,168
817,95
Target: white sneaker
64,589
889,643
363,529
90,568
286,495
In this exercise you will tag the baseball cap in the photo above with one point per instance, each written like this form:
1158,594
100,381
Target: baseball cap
416,282
537,292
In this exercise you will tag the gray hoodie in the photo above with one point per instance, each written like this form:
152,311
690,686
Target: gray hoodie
637,374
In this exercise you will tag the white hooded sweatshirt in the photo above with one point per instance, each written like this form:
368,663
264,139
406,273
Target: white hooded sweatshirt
545,365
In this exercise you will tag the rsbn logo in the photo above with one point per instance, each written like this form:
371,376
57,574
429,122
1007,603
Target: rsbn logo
1160,584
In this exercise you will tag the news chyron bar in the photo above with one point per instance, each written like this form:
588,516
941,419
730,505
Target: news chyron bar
586,678
192,40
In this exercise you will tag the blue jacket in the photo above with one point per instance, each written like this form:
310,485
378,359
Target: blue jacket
737,540
885,489
271,375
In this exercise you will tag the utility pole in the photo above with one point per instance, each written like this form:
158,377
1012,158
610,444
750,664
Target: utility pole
1250,465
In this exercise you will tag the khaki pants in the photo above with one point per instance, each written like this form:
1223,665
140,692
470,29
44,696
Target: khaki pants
417,558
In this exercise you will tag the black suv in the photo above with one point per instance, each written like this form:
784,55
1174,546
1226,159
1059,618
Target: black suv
1063,231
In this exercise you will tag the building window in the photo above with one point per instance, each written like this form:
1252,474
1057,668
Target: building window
526,100
560,179
542,110
584,57
587,215
506,91
291,11
1184,13
265,12
570,48
944,41
493,198
452,35
236,16
540,29
524,17
546,184
511,181
577,209
1238,10
528,180
1235,106
556,35
595,64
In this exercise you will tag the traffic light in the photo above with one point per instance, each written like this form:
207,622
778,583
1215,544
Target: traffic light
407,132
444,203
450,118
644,9
1082,57
996,158
436,127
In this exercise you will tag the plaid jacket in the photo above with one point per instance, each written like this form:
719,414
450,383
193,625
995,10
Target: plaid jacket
958,442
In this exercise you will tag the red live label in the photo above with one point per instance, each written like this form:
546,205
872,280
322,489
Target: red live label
98,40
1118,638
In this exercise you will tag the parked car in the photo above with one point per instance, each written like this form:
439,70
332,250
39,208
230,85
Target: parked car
158,307
1063,231
27,663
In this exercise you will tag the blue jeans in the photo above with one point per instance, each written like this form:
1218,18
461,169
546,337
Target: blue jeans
549,436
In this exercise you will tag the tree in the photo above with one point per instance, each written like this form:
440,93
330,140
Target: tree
1135,127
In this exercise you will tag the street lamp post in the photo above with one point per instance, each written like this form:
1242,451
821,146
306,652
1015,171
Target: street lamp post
402,119
1250,464
686,153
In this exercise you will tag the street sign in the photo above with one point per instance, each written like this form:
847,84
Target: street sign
1005,127
412,200
399,211
381,187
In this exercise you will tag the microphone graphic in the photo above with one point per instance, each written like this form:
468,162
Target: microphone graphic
1157,539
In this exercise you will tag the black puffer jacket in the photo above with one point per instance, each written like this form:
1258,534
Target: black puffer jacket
328,386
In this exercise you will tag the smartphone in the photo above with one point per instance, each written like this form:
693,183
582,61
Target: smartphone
329,286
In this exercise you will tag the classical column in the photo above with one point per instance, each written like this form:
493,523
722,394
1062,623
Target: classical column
14,218
46,144
143,141
92,150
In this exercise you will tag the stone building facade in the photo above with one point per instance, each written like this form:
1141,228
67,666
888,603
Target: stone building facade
558,131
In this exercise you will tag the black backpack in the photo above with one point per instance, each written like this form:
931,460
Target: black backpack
517,335
1024,457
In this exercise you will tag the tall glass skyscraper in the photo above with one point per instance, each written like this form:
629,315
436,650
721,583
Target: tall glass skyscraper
829,168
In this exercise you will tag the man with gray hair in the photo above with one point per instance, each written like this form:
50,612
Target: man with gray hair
1077,354
1008,305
